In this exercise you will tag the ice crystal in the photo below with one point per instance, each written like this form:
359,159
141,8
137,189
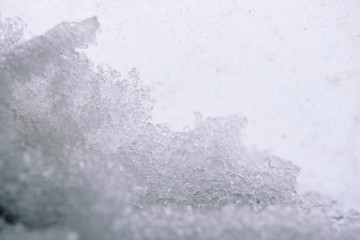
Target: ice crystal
81,159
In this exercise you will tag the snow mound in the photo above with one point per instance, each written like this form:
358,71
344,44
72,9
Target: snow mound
81,159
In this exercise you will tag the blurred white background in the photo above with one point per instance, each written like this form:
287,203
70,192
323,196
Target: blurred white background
291,67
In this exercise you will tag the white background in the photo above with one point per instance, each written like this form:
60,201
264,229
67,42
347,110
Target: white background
291,67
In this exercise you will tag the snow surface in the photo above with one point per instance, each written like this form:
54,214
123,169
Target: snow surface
290,67
82,159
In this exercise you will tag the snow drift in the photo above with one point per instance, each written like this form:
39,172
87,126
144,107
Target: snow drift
81,159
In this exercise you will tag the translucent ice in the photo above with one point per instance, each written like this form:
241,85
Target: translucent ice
80,158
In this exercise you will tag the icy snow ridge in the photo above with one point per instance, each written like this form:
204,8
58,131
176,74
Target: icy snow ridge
80,158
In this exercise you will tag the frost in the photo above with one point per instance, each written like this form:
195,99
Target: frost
81,159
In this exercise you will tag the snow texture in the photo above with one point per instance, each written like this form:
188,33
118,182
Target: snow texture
80,158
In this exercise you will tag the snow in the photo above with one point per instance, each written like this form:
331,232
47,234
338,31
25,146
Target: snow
290,68
82,159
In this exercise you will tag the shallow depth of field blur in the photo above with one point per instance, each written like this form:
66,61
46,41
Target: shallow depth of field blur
99,139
